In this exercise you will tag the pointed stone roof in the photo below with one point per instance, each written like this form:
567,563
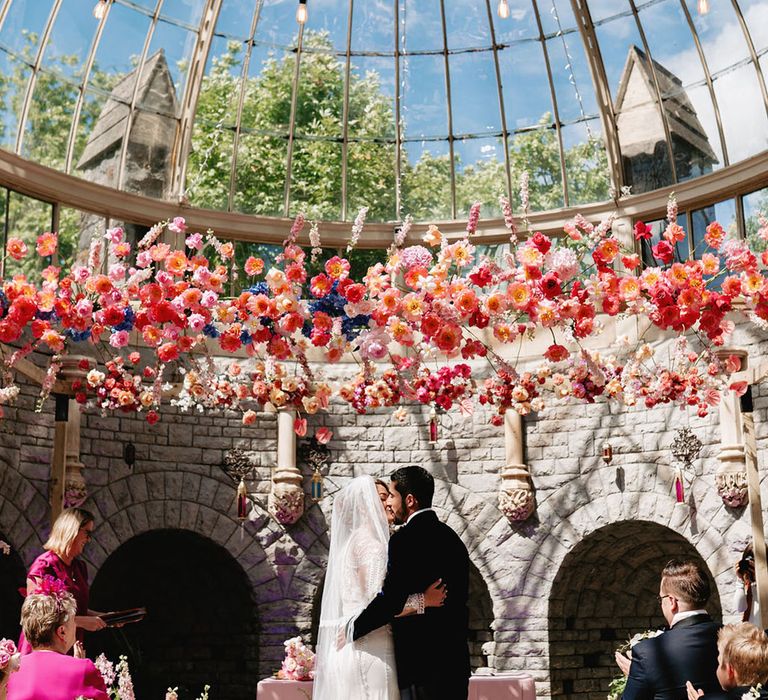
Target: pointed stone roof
680,113
156,97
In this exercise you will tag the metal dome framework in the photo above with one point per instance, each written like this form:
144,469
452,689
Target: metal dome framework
575,31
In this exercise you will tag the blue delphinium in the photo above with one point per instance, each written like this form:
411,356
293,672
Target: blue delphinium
210,330
78,336
128,319
259,288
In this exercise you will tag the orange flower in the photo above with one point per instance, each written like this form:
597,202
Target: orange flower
102,284
448,337
46,244
608,249
337,268
16,248
629,288
519,295
151,335
227,250
254,266
504,332
466,302
53,340
495,303
176,263
432,237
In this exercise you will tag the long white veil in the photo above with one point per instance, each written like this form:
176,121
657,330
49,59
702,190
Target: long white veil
357,561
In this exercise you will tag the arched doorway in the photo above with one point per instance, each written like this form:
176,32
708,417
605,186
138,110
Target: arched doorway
12,577
605,592
201,625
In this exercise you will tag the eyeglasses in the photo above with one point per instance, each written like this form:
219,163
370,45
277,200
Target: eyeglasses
660,598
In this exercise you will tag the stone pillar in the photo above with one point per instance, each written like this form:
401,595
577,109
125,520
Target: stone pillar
286,499
75,491
516,499
731,474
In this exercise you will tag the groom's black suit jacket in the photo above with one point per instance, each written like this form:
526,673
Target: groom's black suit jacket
662,665
429,648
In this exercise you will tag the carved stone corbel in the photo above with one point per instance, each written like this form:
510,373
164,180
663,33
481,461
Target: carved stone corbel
516,498
286,499
731,474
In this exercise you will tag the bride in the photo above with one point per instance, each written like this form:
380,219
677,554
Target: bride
357,562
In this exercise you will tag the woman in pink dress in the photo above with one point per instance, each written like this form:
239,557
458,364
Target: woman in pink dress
69,535
47,672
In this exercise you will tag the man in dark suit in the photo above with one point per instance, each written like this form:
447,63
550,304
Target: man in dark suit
661,666
430,649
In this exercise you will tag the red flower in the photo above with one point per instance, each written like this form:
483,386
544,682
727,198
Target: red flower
664,252
642,231
541,242
152,417
9,331
481,276
550,285
556,353
168,352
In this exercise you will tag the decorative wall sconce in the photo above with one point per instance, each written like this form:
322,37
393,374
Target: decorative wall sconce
237,466
685,448
129,454
317,456
607,453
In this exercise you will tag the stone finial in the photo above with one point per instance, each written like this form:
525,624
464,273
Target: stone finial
516,498
286,499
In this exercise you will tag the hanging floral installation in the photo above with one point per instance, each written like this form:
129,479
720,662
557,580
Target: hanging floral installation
412,323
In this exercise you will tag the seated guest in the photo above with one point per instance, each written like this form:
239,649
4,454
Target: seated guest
9,662
47,673
661,666
742,664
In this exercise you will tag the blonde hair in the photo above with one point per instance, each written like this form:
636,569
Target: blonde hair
744,647
42,615
66,528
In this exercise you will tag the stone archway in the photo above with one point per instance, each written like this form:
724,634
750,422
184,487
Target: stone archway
604,592
202,623
12,578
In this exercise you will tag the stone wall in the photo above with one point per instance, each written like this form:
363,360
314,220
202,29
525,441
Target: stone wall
541,578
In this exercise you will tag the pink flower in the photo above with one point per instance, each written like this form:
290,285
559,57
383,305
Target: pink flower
474,218
114,235
196,322
144,259
300,427
323,435
415,256
194,241
178,225
119,339
209,299
249,417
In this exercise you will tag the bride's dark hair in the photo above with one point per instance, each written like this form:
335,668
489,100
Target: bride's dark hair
416,481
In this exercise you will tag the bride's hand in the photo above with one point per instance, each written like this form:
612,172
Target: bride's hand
435,595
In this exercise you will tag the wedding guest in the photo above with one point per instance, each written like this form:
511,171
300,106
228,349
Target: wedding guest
47,672
383,490
661,666
9,662
747,601
742,667
70,533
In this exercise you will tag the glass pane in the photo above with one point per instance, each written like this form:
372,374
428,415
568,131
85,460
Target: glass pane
23,26
260,175
466,25
756,16
755,205
521,23
164,73
586,163
187,11
373,27
572,79
72,223
421,25
537,152
71,39
209,166
722,212
327,19
695,138
746,127
371,180
14,76
372,97
525,85
316,179
267,102
480,175
27,219
658,227
720,36
426,183
474,93
220,89
320,102
277,23
600,10
235,19
424,104
556,16
50,120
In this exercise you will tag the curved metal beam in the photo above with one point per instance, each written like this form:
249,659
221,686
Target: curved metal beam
292,122
451,137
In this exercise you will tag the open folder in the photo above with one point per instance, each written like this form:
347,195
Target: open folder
123,617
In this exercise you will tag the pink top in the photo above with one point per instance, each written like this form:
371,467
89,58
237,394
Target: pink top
48,675
75,578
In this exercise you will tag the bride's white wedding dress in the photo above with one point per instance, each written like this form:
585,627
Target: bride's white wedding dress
357,560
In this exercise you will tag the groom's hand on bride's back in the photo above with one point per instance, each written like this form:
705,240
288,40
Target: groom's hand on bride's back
435,595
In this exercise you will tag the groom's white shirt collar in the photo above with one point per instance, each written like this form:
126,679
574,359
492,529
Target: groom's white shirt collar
413,515
688,613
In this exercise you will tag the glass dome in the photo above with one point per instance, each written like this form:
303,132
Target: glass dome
404,106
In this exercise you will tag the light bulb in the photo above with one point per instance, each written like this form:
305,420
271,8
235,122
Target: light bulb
301,12
100,9
503,9
703,7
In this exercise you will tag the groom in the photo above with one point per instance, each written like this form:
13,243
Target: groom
430,649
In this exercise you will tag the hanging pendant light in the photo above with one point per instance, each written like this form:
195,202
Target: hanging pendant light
503,9
242,500
301,12
100,9
433,426
316,487
703,7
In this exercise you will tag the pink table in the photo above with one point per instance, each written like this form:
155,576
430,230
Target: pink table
511,686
